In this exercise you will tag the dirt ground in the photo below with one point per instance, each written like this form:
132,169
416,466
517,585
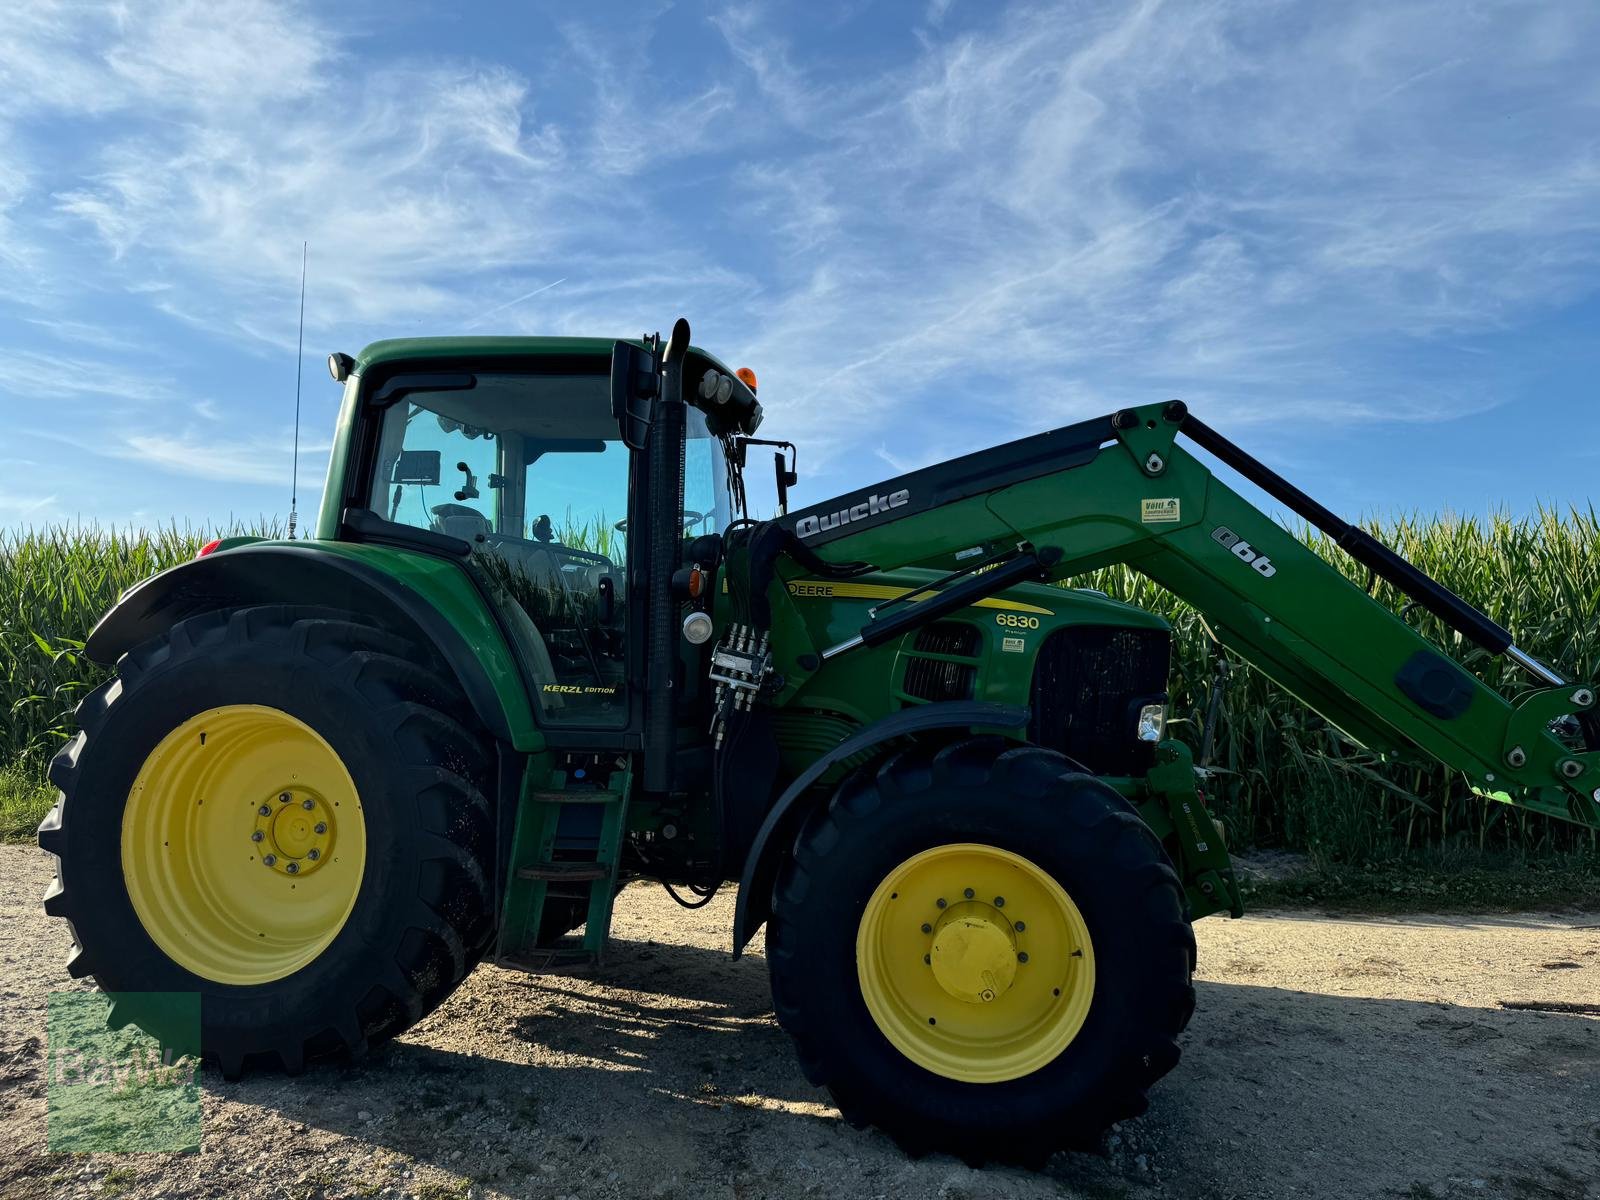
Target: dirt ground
1335,1058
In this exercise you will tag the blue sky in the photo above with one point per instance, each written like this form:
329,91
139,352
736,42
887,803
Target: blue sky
1364,239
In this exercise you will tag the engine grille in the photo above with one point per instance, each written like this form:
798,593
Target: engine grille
1089,683
948,637
937,679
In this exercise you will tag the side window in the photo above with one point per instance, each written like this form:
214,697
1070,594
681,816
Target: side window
438,474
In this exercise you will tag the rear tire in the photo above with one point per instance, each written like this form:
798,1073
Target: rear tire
421,909
1019,805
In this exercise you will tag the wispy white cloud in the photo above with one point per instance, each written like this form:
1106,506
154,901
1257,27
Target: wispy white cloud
23,506
1166,198
45,380
201,457
975,221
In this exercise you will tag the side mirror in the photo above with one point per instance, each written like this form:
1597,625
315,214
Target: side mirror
785,464
635,382
785,479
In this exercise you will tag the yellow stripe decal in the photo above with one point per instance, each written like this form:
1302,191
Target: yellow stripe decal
817,589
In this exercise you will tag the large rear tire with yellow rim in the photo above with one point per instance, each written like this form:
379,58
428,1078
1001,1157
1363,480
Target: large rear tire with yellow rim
983,951
281,810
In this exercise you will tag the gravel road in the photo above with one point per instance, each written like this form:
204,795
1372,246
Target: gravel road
1334,1058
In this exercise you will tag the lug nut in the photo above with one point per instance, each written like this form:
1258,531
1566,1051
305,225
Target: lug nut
257,836
293,868
926,928
308,804
284,797
313,854
969,893
320,827
927,958
1019,926
269,859
999,901
1022,956
264,811
939,902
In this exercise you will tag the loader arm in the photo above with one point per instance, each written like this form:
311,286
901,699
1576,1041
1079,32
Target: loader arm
1121,489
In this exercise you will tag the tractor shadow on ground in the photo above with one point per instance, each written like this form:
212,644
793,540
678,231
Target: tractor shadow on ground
669,1060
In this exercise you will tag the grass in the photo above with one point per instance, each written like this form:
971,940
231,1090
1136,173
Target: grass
24,800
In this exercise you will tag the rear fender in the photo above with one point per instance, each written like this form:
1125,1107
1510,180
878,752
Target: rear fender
777,833
275,573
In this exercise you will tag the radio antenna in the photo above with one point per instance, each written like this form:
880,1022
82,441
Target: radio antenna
299,356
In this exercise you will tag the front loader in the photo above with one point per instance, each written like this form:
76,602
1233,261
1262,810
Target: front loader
537,648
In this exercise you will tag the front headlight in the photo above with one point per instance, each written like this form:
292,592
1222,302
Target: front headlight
1152,722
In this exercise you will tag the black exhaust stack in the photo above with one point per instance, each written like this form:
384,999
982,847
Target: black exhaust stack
664,453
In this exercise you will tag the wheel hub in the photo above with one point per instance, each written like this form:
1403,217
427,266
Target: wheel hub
974,952
293,831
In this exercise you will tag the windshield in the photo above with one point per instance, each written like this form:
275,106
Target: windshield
534,457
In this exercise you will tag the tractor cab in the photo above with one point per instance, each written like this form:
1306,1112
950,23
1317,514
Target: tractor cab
523,455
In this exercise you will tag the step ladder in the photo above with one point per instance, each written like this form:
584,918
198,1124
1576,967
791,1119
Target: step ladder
566,848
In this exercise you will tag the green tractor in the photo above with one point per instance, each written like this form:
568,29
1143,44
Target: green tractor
537,648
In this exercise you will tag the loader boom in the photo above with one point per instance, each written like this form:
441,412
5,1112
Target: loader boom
1121,489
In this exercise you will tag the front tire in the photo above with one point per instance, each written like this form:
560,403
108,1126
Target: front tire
982,951
311,926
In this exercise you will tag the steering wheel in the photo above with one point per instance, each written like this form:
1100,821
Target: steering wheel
690,517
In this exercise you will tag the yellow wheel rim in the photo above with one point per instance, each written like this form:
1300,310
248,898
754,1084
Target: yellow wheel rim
243,844
975,963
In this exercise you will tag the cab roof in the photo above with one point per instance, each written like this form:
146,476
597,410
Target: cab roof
421,349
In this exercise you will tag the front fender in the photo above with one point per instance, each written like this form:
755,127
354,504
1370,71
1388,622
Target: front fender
424,597
778,831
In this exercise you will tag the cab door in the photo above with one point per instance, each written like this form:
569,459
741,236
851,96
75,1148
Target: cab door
529,469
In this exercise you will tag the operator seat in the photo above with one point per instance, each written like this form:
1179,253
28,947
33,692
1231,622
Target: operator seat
461,521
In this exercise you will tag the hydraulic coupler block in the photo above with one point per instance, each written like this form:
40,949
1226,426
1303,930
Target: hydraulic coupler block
739,667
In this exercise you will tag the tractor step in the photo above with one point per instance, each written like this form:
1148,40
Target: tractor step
565,872
565,851
551,958
577,796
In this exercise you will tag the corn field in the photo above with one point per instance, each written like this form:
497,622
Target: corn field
1286,778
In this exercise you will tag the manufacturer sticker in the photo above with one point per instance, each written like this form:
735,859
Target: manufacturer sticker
1013,645
1164,511
810,526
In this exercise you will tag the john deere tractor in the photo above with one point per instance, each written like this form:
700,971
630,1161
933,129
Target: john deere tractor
537,648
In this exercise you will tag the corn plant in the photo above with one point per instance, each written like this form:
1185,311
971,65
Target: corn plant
1287,779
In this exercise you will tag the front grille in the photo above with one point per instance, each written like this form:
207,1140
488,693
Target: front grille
1089,683
948,637
934,679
